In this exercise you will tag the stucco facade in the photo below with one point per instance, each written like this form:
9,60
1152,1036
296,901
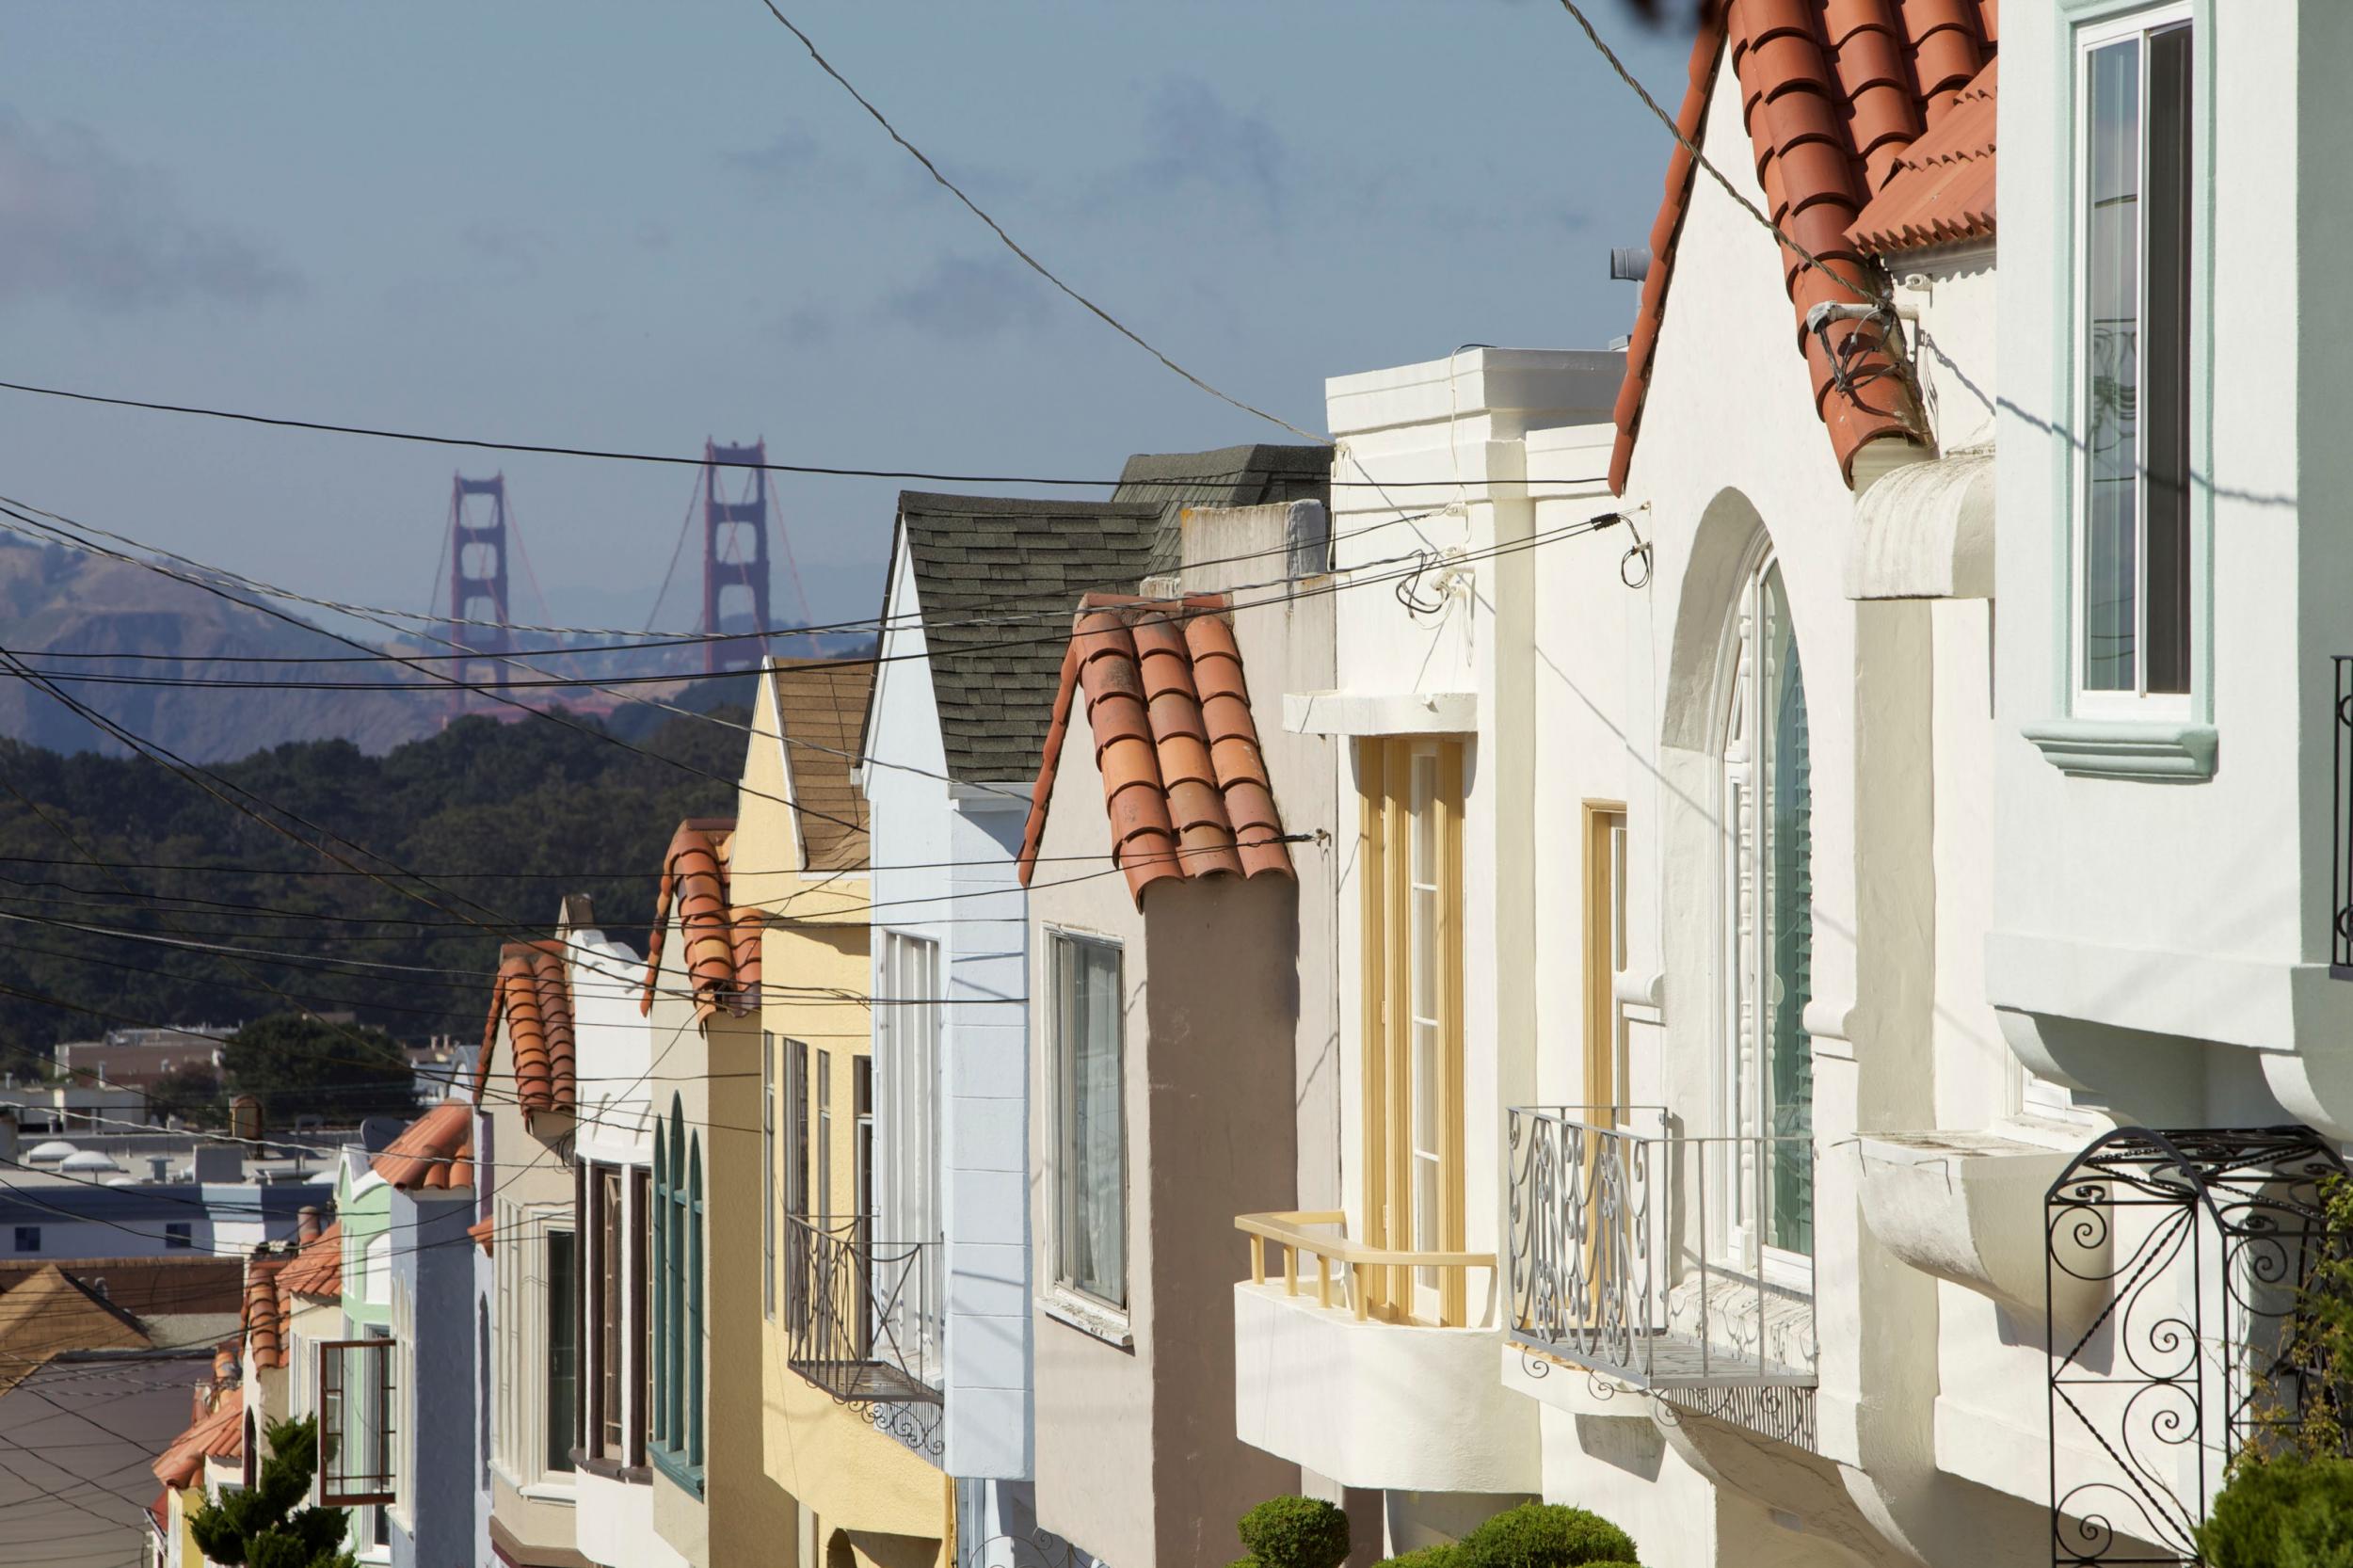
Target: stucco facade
1226,1009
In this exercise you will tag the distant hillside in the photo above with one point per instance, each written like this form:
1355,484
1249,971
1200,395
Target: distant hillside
60,601
506,819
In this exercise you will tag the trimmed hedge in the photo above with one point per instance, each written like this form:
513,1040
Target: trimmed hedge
1295,1532
2285,1513
1426,1556
1545,1535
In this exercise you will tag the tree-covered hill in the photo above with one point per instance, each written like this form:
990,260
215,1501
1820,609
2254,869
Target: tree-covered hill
501,820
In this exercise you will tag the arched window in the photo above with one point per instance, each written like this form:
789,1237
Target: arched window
658,1342
1767,1069
674,1285
692,1212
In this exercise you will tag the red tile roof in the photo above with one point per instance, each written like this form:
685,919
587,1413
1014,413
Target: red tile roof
436,1150
1175,745
1834,93
217,1435
481,1231
265,1313
1942,188
722,956
533,997
317,1270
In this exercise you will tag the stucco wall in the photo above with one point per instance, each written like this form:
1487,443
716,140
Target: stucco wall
944,859
87,1426
433,1263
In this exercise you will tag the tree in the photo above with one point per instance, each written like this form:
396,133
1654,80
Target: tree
265,1525
193,1093
297,1065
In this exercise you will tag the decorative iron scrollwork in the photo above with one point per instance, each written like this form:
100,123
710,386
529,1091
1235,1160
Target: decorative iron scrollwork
2204,1240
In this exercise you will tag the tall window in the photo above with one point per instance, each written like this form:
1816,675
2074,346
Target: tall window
641,1278
1767,1069
607,1288
2133,359
906,1063
677,1390
1605,953
1412,800
824,1135
560,1298
356,1434
768,1174
1090,1142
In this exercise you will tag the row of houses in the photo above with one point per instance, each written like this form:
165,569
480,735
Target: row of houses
1558,947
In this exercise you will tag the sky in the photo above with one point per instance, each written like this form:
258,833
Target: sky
636,225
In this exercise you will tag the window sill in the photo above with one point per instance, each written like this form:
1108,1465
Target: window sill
1089,1317
548,1491
610,1469
687,1476
2164,750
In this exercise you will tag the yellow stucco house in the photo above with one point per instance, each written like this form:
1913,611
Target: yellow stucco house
855,1463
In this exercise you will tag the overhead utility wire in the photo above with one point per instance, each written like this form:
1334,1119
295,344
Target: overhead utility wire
1027,259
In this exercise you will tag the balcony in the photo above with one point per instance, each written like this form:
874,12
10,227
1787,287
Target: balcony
1675,1265
862,1317
1375,1366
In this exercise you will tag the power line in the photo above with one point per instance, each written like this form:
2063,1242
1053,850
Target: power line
1027,259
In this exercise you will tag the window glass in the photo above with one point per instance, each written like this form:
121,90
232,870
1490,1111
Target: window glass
1788,927
2134,277
1092,1250
28,1238
562,1295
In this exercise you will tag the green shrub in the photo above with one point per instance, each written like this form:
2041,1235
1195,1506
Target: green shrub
1244,1563
1443,1556
1295,1532
1545,1535
2285,1513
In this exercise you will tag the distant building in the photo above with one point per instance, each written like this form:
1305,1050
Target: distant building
136,1058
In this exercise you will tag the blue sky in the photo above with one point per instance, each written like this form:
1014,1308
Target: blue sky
633,224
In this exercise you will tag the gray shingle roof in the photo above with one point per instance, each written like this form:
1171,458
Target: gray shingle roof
1231,476
1022,565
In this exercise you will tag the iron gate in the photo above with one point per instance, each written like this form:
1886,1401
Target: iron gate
2191,1248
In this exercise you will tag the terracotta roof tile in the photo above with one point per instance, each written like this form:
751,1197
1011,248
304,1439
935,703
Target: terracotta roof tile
317,1269
1183,781
217,1434
264,1314
481,1231
823,705
532,997
1835,95
1942,188
436,1151
722,955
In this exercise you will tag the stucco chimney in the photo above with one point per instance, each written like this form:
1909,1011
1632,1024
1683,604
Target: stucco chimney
306,1223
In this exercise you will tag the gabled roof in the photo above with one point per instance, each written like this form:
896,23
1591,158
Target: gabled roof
821,704
721,960
532,994
317,1269
219,1434
1942,188
1169,713
51,1314
435,1151
1250,475
1833,92
993,580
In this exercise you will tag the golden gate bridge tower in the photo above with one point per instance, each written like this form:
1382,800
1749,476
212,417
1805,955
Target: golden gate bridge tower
735,556
479,624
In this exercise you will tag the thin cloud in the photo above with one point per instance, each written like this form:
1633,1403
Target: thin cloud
787,159
1192,136
965,296
89,226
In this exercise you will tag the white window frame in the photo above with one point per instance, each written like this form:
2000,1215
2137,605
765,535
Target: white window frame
768,1174
519,1438
1741,1171
907,1028
2139,703
1060,1066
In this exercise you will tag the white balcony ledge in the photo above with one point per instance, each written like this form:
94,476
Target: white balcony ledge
1393,1406
1968,1208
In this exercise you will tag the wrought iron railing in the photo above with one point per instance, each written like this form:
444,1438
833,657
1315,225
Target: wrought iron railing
1656,1259
2341,825
863,1317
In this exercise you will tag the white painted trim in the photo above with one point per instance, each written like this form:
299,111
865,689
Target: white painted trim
2173,748
1088,1317
1380,713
